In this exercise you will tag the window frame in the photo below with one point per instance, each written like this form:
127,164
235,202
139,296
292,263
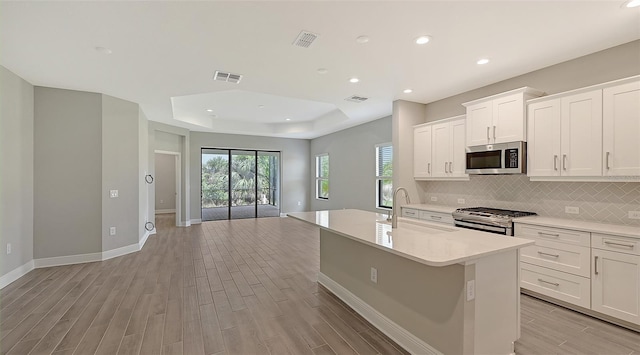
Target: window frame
379,178
319,179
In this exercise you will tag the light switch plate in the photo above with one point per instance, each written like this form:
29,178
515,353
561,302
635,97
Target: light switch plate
8,248
113,193
374,275
634,214
433,198
461,201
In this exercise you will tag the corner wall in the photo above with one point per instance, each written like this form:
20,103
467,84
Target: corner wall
16,174
68,173
352,165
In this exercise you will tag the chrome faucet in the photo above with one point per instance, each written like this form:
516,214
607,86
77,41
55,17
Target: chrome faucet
394,211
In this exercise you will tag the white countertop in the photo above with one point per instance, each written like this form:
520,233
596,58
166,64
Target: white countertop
427,243
595,227
431,208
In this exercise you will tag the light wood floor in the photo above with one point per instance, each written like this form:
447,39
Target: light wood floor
231,287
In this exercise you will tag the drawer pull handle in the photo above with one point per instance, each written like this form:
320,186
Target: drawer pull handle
547,254
619,244
549,235
595,265
436,217
549,282
428,168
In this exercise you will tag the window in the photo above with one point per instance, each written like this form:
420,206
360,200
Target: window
384,175
322,176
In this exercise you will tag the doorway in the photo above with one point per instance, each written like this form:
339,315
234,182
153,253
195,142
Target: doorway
167,183
239,183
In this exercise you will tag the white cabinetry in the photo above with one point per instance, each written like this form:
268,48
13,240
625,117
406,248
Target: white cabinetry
587,133
426,215
596,271
499,118
422,151
616,277
439,150
621,129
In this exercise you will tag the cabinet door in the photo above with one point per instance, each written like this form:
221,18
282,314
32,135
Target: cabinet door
458,152
615,285
543,146
479,118
441,149
621,130
581,134
508,119
422,152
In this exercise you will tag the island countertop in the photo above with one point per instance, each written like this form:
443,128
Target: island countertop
424,242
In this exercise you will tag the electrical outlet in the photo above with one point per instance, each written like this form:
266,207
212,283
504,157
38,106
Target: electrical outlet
461,201
299,203
112,231
634,214
571,210
374,275
161,201
471,290
113,193
434,199
8,248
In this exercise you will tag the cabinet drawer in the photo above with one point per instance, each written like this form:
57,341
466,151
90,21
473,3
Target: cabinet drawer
616,243
574,259
552,234
437,217
410,212
560,285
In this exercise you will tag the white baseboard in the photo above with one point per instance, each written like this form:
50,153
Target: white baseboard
144,238
403,337
184,224
113,253
196,221
15,274
283,214
165,211
67,260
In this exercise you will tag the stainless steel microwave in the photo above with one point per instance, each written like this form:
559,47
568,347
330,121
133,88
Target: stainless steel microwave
500,158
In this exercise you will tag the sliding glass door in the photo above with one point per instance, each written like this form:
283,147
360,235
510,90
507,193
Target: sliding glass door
240,184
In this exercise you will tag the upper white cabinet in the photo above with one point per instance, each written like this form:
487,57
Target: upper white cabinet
499,118
586,133
439,150
422,151
621,129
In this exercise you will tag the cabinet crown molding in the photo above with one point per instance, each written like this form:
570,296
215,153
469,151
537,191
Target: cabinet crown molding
585,89
442,120
524,90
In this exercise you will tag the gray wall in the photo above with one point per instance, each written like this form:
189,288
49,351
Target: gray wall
68,173
294,162
610,64
143,169
165,165
119,172
352,165
16,172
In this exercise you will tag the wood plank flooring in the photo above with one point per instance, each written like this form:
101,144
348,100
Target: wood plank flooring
232,287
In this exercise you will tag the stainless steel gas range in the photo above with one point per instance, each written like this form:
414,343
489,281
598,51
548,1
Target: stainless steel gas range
486,219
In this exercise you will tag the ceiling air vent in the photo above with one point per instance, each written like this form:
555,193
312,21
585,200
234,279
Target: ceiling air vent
356,98
228,77
305,39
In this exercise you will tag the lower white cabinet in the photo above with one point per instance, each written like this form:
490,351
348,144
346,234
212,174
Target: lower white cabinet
615,284
560,285
573,259
431,216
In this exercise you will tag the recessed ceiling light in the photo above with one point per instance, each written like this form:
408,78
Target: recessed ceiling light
261,106
209,110
287,119
483,61
362,39
407,91
423,39
354,80
104,50
323,71
631,3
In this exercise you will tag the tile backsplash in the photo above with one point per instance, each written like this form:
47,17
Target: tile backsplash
607,202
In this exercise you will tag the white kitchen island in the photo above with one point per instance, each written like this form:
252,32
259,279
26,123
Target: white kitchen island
439,289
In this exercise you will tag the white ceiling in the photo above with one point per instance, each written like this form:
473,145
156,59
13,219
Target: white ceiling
164,54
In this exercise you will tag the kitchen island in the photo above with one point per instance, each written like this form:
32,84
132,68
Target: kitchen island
433,289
